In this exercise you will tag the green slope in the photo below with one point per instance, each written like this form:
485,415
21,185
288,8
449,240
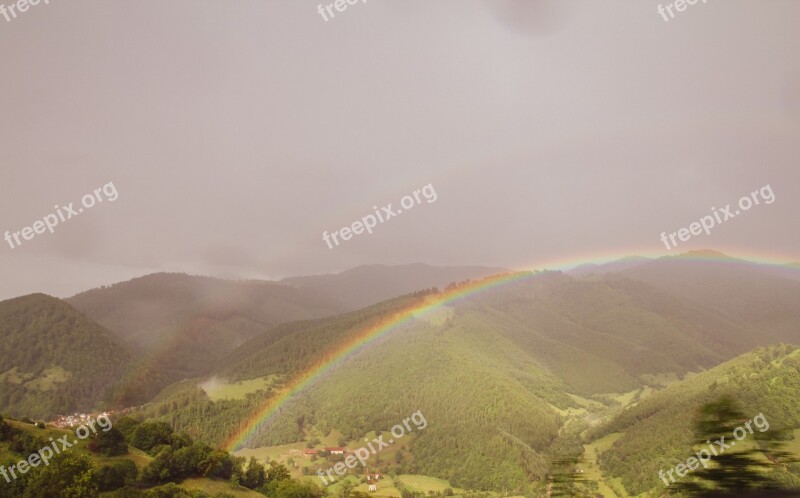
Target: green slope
181,325
761,301
657,432
53,359
507,378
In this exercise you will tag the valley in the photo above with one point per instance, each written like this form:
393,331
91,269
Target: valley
533,383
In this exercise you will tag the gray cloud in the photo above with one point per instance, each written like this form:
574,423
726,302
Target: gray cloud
236,133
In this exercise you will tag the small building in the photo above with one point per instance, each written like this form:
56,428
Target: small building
336,451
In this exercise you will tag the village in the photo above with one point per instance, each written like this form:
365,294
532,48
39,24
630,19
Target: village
78,419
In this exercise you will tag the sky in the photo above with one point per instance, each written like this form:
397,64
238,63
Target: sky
234,134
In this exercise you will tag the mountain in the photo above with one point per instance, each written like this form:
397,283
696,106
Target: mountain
369,284
502,375
747,293
790,271
54,359
657,432
511,379
181,325
612,267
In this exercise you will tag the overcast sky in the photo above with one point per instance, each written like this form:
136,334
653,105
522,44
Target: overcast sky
237,132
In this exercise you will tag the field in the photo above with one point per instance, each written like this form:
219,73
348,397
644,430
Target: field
44,382
212,487
293,457
217,389
592,470
424,484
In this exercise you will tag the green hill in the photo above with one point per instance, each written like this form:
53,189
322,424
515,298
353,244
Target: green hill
515,364
83,470
511,379
53,359
657,432
752,295
181,325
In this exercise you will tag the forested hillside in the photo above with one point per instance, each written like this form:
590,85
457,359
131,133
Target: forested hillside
513,362
758,297
432,366
657,432
530,367
53,359
181,325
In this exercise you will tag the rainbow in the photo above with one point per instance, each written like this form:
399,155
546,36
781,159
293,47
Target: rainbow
372,333
356,343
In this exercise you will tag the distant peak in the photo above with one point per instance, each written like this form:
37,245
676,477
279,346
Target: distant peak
36,296
705,253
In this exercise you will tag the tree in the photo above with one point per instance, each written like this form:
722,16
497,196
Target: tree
289,488
277,472
345,489
113,477
109,443
729,470
68,476
170,490
219,464
5,429
126,425
255,476
148,435
161,469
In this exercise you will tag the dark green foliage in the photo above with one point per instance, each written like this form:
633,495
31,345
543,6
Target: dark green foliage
289,488
126,425
126,492
255,476
170,490
74,475
658,432
68,476
491,373
5,429
149,435
276,472
204,317
294,346
39,332
113,477
109,443
178,457
731,470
